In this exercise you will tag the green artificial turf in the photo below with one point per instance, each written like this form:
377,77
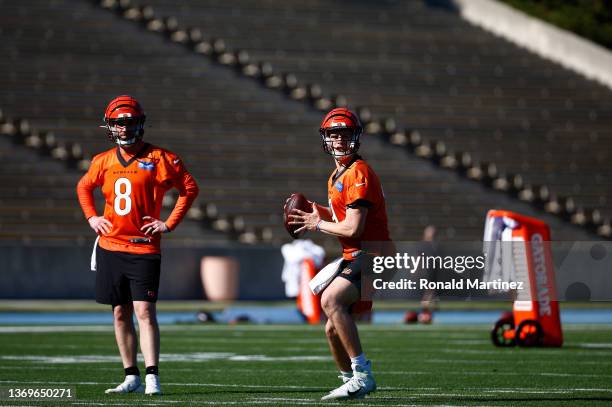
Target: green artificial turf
290,365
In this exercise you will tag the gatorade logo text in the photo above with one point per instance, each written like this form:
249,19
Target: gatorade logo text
539,263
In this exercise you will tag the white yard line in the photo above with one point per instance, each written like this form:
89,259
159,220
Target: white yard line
502,361
179,402
166,357
605,345
265,401
254,386
58,328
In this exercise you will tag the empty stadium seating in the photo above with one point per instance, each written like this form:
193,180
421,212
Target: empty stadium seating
422,65
248,146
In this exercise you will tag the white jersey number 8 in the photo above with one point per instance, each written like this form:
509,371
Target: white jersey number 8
123,196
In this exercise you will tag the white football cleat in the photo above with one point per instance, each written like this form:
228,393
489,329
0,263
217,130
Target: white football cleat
152,385
131,384
356,387
345,378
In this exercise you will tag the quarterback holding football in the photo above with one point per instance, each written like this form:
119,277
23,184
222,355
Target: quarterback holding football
357,215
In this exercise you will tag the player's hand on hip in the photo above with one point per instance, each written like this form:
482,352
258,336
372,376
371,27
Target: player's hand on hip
154,226
309,221
100,225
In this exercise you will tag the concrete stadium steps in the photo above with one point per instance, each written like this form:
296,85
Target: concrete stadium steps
246,145
37,198
432,71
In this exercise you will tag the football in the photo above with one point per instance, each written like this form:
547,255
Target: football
295,201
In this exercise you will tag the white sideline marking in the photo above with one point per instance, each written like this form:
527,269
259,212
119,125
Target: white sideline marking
463,373
242,403
378,397
278,399
139,402
254,386
262,401
58,328
532,391
445,395
264,341
501,361
63,359
544,391
264,358
164,357
317,401
158,402
470,351
595,345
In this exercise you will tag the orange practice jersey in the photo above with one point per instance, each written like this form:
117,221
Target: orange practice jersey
133,189
359,183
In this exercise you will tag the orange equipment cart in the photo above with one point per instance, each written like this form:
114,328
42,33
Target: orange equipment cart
535,320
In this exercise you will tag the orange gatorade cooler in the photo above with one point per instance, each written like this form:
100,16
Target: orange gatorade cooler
535,320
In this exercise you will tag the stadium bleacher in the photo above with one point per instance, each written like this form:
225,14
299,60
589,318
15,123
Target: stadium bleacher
422,65
249,146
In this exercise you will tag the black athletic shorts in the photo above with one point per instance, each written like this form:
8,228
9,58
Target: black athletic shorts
355,271
125,277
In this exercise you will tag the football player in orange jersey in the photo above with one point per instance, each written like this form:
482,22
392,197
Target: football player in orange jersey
356,214
133,176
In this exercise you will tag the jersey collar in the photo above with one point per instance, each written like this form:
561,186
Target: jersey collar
343,170
133,158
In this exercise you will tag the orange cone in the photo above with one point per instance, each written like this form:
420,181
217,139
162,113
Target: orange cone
308,303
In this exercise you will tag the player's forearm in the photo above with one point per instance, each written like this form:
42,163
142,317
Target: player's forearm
86,199
183,204
188,194
341,229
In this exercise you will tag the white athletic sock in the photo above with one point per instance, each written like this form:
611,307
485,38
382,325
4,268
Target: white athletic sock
359,360
347,375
